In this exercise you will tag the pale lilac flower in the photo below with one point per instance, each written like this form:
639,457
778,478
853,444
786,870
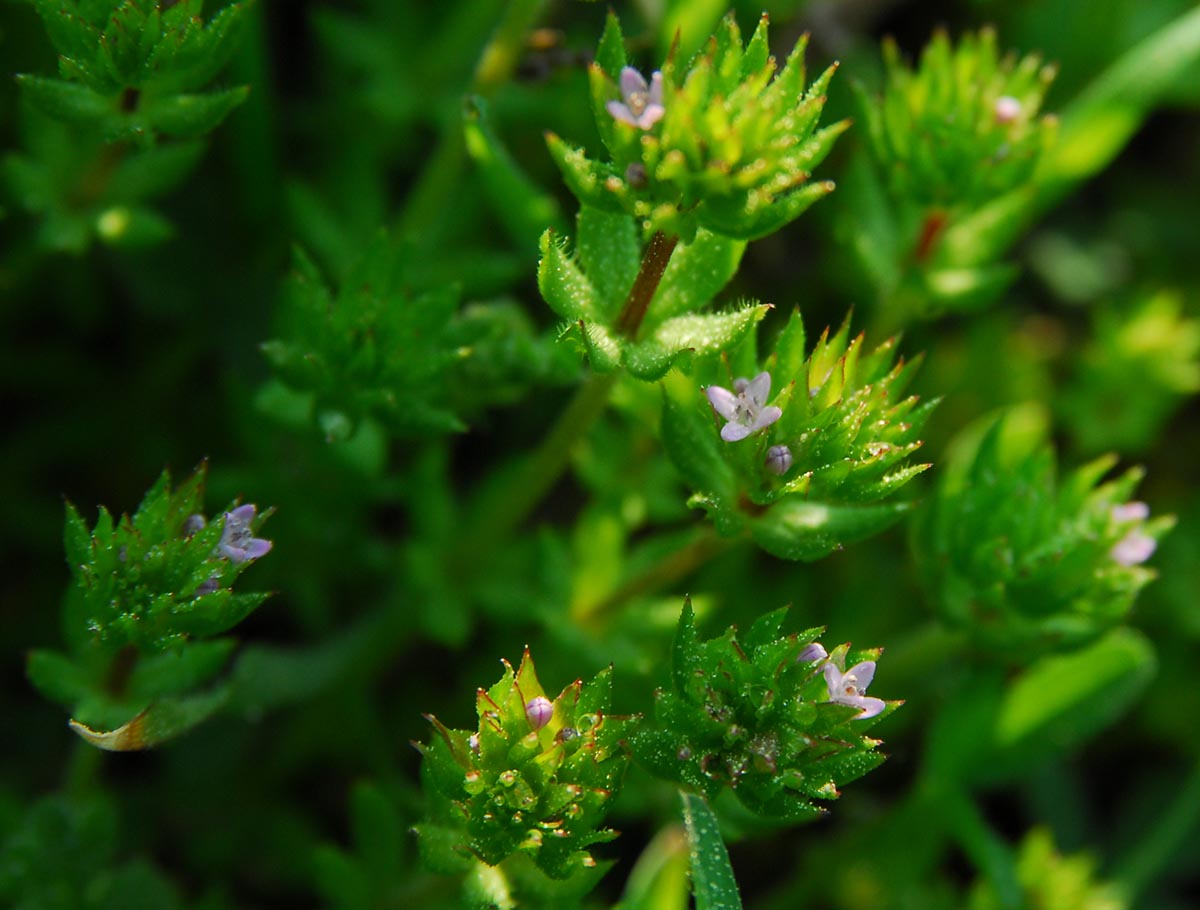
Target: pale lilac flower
641,105
744,407
779,459
848,688
1134,548
538,711
1007,109
815,651
1131,511
237,543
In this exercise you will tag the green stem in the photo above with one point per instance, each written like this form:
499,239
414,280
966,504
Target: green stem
1159,847
984,847
497,62
521,491
697,551
83,769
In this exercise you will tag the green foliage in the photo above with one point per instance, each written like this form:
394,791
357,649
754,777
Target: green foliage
713,883
514,788
1134,373
63,856
594,289
376,349
732,152
121,123
131,69
148,591
375,873
1049,880
958,135
745,713
1023,561
960,129
845,423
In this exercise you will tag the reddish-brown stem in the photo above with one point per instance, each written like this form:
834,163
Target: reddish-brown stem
654,264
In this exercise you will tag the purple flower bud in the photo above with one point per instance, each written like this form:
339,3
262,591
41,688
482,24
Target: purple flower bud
193,524
815,651
473,742
208,586
779,460
538,711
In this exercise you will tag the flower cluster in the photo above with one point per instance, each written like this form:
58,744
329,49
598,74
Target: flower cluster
152,598
963,127
802,471
535,778
725,143
773,717
1026,562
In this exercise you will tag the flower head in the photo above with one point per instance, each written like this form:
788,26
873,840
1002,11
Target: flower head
848,688
1136,546
641,105
744,407
237,543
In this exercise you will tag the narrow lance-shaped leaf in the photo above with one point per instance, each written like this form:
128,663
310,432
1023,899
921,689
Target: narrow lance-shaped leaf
713,884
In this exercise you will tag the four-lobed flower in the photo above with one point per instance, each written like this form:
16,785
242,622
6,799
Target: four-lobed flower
745,408
641,105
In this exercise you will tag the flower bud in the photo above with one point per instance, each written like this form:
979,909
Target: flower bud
779,459
538,711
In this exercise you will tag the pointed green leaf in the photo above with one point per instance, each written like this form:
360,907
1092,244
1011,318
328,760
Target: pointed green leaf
591,182
67,101
693,444
610,253
563,285
1064,699
713,884
797,529
58,677
189,116
159,723
709,333
695,275
517,201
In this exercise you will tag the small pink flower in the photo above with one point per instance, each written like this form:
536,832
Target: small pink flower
1007,109
744,407
848,688
641,105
